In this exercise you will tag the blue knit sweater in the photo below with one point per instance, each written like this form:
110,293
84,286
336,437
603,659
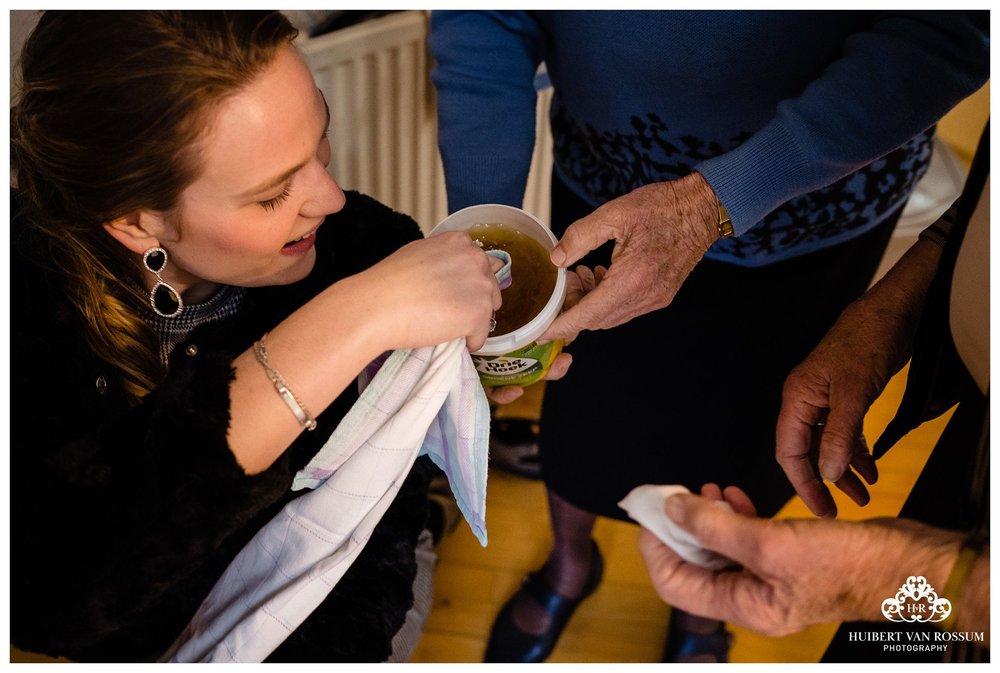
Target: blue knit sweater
811,127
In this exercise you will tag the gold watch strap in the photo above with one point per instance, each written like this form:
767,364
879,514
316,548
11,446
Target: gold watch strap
725,222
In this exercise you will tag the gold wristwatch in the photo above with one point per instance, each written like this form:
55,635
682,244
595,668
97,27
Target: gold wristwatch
725,222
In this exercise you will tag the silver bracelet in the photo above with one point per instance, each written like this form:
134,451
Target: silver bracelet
280,385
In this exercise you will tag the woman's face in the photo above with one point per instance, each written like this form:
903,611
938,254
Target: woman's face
251,218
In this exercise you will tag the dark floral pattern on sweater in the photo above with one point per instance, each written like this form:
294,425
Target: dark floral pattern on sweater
607,164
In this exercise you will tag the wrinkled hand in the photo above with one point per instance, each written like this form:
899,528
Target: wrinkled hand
795,572
429,292
825,398
660,231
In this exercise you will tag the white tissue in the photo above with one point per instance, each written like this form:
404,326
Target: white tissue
645,505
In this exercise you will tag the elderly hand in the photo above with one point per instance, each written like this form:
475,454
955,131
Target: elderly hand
825,398
795,572
660,231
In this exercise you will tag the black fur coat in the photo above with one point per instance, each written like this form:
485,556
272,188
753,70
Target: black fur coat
122,518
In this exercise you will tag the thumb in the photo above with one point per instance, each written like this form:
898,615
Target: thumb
719,529
840,434
581,237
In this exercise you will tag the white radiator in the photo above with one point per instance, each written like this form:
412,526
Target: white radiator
383,129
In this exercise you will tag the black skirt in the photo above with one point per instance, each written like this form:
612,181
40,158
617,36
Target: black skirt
690,393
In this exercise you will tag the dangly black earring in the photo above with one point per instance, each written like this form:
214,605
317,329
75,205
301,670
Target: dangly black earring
164,299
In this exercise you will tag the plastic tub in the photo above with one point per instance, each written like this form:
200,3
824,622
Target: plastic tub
514,358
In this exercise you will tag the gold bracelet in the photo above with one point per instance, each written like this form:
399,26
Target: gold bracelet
725,222
953,586
280,385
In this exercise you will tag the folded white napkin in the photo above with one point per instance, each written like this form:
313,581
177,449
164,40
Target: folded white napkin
645,505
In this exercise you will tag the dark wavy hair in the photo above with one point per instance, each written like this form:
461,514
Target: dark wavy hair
110,108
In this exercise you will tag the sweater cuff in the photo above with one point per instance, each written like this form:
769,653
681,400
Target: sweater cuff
475,180
758,176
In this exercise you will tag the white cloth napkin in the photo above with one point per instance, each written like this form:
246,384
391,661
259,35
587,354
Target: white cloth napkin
429,397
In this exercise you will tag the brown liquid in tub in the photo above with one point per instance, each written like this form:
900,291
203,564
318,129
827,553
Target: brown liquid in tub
533,275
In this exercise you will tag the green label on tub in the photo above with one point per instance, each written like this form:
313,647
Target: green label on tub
518,368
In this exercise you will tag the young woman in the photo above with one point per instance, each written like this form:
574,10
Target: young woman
172,207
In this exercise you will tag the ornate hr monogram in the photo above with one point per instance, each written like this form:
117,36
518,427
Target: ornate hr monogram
916,601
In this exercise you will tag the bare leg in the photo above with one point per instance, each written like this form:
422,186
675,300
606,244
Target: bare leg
568,563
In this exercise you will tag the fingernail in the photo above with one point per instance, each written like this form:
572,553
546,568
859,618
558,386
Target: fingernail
829,471
557,256
675,507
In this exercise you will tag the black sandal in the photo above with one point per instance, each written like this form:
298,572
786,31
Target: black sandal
509,644
685,646
514,446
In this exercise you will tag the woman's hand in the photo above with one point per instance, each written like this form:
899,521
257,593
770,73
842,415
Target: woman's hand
661,231
429,292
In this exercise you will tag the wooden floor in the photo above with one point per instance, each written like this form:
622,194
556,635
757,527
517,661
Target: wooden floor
624,621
